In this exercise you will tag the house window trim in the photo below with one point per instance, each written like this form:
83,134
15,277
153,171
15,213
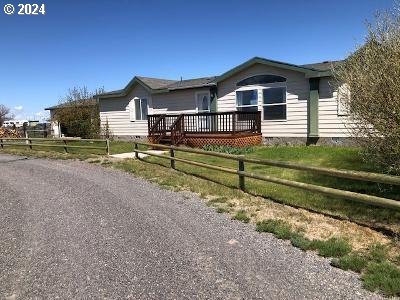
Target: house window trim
274,104
260,84
195,99
248,88
132,109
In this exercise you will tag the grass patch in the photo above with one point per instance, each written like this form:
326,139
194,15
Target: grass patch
353,261
334,247
228,149
222,210
377,253
218,200
241,216
279,228
300,241
384,277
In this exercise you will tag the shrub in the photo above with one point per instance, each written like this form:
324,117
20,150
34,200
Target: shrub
78,113
382,276
372,91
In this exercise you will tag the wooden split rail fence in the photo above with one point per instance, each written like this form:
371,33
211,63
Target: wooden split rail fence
55,143
242,174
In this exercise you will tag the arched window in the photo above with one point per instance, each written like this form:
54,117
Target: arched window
261,79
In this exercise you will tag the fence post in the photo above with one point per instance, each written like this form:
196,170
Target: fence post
136,148
30,144
172,155
108,146
1,143
26,135
241,177
65,147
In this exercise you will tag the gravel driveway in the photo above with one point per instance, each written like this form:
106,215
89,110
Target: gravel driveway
70,229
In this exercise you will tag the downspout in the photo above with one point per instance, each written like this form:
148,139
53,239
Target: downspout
312,112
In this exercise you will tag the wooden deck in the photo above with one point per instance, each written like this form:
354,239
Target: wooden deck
236,129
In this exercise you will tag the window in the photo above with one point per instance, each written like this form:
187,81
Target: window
261,79
138,109
247,100
274,103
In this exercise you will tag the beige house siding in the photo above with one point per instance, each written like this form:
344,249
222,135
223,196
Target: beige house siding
116,111
297,94
179,101
331,124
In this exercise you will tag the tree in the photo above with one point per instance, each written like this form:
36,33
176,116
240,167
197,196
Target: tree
4,114
78,113
372,79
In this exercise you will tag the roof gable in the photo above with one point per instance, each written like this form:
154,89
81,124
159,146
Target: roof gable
307,70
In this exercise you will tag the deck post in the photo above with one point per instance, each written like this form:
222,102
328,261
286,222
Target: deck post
172,155
241,177
234,123
135,146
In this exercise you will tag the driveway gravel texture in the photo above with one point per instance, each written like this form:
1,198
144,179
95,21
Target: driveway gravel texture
73,230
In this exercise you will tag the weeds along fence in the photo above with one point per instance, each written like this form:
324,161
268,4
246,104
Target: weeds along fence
242,174
63,143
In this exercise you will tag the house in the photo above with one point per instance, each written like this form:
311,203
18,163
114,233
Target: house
261,100
14,123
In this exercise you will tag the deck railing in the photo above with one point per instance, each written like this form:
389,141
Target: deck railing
206,123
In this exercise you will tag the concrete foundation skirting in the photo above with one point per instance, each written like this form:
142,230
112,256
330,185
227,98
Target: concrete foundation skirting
256,140
130,138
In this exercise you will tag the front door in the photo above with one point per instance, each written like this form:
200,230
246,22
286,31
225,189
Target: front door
203,106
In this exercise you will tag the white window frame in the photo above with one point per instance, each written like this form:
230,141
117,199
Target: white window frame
132,109
209,99
247,88
273,104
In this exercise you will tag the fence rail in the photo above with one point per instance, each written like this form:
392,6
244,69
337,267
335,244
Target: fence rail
28,143
240,171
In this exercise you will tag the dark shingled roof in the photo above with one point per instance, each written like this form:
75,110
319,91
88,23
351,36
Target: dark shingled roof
323,66
192,83
155,83
165,85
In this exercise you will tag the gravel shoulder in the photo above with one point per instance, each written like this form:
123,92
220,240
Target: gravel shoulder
70,229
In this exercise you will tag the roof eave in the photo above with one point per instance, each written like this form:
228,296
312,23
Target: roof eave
319,74
125,91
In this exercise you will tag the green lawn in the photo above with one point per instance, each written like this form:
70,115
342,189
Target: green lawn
333,157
